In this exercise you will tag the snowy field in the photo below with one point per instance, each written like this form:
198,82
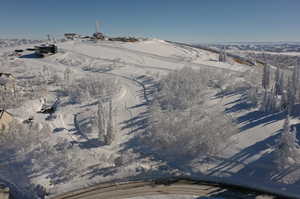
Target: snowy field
112,85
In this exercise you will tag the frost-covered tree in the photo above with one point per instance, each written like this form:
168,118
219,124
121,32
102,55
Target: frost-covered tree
90,87
105,122
56,79
75,94
296,82
277,74
284,101
291,95
180,126
265,102
295,78
279,81
46,73
110,134
266,77
252,95
273,101
180,135
281,84
287,149
101,121
27,150
67,74
270,102
181,88
222,56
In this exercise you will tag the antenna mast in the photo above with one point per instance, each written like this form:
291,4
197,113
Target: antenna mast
97,26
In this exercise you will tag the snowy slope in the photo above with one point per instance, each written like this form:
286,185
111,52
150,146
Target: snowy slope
134,66
145,54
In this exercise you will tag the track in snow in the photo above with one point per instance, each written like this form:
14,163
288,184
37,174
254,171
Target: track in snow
130,98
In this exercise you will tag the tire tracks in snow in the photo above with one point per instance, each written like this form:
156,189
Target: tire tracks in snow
157,57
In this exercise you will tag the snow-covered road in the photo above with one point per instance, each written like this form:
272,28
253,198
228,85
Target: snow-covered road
156,189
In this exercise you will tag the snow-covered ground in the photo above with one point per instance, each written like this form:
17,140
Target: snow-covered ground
133,66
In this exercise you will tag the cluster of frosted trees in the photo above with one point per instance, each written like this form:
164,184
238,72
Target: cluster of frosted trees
26,150
23,91
287,151
280,90
181,126
87,88
278,60
14,92
222,56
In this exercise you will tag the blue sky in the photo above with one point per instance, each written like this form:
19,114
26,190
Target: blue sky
177,20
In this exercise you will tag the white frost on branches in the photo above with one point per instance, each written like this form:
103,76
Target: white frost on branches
287,149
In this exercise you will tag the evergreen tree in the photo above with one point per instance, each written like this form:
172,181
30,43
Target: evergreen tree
287,149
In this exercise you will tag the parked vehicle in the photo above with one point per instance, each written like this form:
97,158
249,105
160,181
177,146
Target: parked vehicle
45,49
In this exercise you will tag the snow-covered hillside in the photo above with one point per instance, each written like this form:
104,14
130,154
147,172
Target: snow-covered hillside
4,43
110,85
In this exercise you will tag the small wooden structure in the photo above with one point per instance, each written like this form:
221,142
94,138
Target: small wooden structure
124,39
7,82
7,75
5,119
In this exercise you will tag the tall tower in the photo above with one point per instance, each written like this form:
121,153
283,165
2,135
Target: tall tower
97,26
98,34
49,38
